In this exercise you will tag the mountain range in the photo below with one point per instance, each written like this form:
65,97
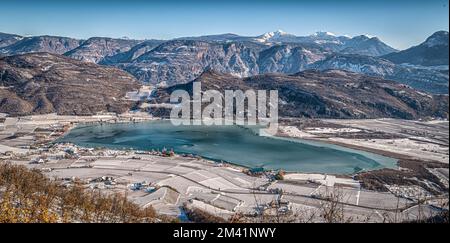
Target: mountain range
97,48
420,77
170,62
50,44
362,44
326,94
40,83
8,39
432,52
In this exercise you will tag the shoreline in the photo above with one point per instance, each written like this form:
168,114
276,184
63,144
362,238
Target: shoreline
362,148
126,119
121,119
244,167
329,140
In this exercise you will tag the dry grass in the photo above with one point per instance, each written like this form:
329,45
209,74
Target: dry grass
27,196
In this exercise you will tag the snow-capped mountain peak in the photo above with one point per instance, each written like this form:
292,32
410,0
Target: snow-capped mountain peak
273,36
369,36
325,38
323,34
279,33
437,39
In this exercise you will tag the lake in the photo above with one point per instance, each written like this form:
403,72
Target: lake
234,144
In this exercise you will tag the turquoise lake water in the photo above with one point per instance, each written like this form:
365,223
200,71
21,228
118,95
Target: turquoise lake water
234,144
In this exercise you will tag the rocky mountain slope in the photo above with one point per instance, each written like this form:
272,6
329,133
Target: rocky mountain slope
364,45
97,48
433,52
41,83
430,80
181,61
289,58
132,54
329,94
8,39
50,44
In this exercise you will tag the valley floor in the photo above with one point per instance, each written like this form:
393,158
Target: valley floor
425,140
174,183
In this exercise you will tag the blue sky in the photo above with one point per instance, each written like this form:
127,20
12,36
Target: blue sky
399,23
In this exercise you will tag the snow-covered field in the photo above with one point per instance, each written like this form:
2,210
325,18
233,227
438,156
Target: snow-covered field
415,149
426,140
